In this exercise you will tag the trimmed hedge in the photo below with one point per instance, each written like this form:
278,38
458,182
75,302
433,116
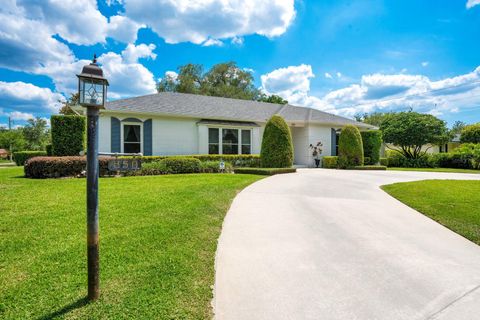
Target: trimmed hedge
21,157
57,167
384,162
350,147
214,167
240,160
48,149
372,142
264,171
370,167
68,135
277,146
330,162
181,165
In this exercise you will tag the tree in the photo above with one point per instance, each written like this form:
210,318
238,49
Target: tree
36,134
350,147
188,80
271,99
375,118
277,145
409,131
457,127
12,140
471,134
66,108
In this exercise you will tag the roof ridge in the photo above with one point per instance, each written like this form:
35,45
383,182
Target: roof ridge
281,108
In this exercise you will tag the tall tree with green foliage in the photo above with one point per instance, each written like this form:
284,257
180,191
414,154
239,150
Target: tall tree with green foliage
277,145
375,118
457,127
410,131
350,147
36,134
471,134
67,105
222,80
12,140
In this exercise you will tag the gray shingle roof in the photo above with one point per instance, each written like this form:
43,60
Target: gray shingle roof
207,107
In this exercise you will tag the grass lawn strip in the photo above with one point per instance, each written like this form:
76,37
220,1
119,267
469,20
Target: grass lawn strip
452,170
158,237
453,203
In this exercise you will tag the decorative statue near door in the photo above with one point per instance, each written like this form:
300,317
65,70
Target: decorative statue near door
316,152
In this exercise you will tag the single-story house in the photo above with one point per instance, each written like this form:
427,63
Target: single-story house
182,124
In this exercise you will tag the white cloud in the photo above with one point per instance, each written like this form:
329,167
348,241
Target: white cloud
379,92
197,21
328,75
171,75
425,64
339,74
17,115
237,41
212,42
123,29
25,98
126,76
472,3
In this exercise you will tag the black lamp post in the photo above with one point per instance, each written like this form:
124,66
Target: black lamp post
92,89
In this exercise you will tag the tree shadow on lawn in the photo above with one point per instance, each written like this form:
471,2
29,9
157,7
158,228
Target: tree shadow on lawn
66,309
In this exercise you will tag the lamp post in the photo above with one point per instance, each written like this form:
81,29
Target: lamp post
92,89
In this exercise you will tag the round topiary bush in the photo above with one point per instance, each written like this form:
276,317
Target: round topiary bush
372,142
350,147
277,146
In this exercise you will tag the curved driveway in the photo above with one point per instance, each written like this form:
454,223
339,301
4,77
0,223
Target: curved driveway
328,244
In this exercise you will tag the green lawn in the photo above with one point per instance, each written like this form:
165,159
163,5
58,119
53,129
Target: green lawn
436,170
453,203
158,236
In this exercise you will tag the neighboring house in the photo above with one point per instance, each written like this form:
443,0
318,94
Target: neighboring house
3,154
431,149
181,124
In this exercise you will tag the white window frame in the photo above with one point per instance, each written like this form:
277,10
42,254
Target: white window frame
220,138
122,135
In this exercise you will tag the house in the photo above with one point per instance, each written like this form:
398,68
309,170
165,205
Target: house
431,148
181,124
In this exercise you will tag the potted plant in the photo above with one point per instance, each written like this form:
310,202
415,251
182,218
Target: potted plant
316,152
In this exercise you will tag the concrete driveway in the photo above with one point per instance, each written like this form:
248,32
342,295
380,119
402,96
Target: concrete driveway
328,244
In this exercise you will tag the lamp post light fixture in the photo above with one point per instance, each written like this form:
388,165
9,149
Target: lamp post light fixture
92,89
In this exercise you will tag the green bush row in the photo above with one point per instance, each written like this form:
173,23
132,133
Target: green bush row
21,157
264,171
330,162
240,160
180,165
370,167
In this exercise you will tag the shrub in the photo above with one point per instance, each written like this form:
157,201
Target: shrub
48,149
68,135
181,165
396,159
366,160
372,142
57,167
471,134
277,146
214,167
384,162
150,169
330,162
350,147
237,160
370,167
21,157
264,171
453,160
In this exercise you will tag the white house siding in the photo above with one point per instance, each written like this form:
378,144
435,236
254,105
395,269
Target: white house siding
104,134
175,136
320,133
300,145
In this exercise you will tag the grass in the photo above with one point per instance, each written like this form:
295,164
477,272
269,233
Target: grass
264,171
453,170
158,237
453,203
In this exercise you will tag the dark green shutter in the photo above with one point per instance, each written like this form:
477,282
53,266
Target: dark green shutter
147,137
115,135
334,142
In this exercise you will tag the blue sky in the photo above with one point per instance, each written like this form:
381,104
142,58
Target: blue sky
344,57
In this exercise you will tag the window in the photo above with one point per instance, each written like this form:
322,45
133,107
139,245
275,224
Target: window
132,142
229,141
246,142
213,141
